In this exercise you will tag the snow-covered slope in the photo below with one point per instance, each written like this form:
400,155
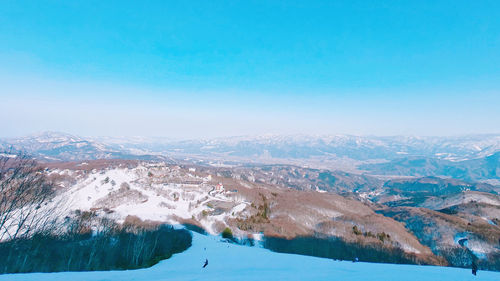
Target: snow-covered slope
437,203
233,262
55,146
214,199
150,191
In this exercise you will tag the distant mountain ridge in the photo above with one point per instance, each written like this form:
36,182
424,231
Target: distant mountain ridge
55,146
304,146
471,157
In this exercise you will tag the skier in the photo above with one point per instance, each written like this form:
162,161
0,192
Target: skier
474,268
206,263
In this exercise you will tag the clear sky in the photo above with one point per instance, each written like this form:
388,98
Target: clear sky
219,68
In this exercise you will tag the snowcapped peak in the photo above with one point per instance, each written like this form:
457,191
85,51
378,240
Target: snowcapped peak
52,136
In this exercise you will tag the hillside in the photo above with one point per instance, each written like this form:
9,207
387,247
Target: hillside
176,194
485,168
281,201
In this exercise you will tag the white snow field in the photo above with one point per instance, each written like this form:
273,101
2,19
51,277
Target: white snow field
233,262
132,191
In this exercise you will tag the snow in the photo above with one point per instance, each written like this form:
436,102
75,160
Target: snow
258,236
239,208
319,190
149,198
8,155
478,248
233,262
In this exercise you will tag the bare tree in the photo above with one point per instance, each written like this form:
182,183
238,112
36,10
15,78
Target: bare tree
24,189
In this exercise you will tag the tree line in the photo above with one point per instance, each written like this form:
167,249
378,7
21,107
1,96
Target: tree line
33,239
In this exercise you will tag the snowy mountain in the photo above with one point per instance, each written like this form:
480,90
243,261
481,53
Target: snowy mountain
306,146
293,146
55,146
213,199
473,157
414,220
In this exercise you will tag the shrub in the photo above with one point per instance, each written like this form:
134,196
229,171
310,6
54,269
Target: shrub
356,230
227,233
105,181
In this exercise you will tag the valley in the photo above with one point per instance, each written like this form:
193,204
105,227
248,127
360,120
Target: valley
416,216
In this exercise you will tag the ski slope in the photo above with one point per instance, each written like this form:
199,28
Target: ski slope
233,262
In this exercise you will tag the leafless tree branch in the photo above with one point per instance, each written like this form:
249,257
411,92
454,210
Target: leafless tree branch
24,190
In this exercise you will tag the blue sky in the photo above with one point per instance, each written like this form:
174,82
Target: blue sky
218,68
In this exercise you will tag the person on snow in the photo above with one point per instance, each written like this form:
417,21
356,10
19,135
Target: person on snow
474,268
206,263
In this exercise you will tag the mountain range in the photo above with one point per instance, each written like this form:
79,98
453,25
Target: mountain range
471,157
